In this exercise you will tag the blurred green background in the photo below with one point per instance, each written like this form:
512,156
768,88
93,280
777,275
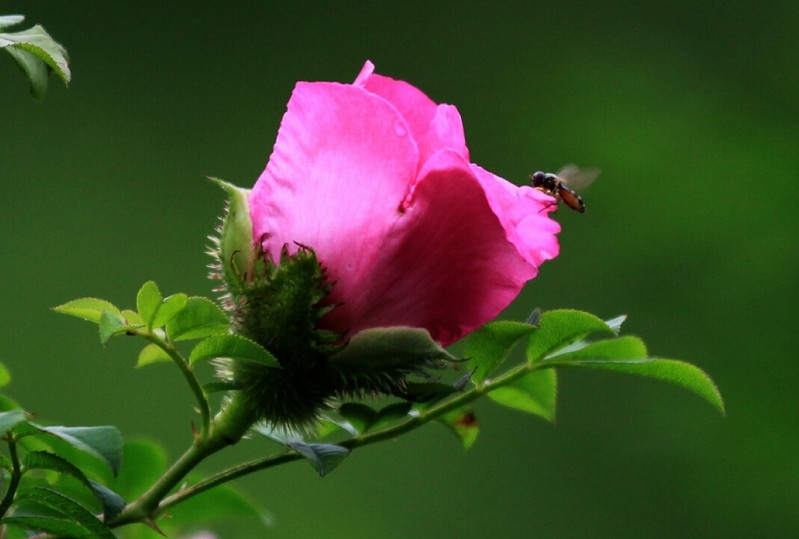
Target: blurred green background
689,108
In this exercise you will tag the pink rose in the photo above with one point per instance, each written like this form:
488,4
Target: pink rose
376,179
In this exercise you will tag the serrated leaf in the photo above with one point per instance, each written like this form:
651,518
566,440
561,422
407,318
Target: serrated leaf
90,309
10,419
199,318
152,353
169,308
360,416
104,442
234,347
561,328
624,348
111,502
37,50
148,300
67,507
323,457
132,318
534,393
111,324
488,347
674,371
59,527
463,423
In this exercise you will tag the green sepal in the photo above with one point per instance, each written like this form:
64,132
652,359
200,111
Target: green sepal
235,245
534,393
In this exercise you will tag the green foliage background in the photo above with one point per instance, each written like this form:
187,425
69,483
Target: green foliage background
690,109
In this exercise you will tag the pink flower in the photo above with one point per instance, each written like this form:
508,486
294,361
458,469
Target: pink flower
376,179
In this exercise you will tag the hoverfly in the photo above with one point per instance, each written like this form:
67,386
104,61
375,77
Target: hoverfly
559,185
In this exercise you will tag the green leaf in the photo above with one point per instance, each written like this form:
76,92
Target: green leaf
5,376
34,51
112,503
111,324
624,348
534,393
67,507
104,442
323,457
488,347
90,309
148,300
360,416
152,353
10,20
670,370
220,503
170,307
10,419
234,347
463,423
199,318
59,527
561,328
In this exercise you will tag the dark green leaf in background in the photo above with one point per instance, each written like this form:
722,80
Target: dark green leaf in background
104,442
323,457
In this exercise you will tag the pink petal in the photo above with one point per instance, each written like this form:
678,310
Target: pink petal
434,127
446,266
342,164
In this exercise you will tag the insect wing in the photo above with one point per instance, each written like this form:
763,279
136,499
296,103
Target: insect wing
576,178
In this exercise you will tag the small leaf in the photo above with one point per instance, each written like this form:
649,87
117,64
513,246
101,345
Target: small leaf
67,507
132,318
170,307
670,370
534,393
234,347
10,419
152,353
111,324
624,348
104,442
463,423
359,415
199,318
148,300
5,376
488,347
90,309
35,51
323,457
561,328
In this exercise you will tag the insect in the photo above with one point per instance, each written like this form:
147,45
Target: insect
558,185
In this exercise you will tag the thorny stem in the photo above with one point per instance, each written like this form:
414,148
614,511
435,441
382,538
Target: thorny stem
423,416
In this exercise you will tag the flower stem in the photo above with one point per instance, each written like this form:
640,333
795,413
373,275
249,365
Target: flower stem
188,374
423,417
